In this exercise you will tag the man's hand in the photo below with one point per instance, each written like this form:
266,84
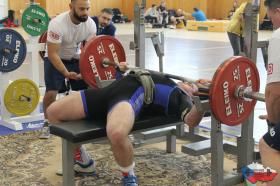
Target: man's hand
189,88
73,75
123,66
263,117
203,82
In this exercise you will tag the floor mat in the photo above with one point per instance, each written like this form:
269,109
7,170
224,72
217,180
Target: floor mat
25,160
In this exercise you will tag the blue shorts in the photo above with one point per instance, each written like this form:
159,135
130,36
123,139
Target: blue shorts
168,100
272,137
54,80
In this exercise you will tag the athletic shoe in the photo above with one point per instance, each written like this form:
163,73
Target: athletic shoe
130,180
45,131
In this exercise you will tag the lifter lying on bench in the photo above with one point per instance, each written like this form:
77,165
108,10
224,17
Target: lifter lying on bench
119,105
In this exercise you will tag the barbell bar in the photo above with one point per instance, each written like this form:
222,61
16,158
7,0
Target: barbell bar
233,90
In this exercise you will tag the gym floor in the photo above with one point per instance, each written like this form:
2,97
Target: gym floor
187,53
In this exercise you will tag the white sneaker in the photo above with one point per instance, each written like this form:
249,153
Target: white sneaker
81,169
45,133
84,169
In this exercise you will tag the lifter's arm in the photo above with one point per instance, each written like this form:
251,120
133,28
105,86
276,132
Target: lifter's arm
193,117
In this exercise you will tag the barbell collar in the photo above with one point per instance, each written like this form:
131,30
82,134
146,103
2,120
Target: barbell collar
247,94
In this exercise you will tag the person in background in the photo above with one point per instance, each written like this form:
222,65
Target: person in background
235,30
104,23
66,32
178,18
152,15
163,13
198,15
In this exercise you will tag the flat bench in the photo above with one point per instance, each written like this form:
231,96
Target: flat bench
80,132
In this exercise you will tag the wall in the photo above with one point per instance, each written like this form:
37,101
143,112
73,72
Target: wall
55,7
219,9
20,5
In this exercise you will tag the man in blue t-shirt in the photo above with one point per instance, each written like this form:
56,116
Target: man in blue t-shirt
198,15
104,23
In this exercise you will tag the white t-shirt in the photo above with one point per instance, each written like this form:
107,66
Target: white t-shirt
62,30
273,68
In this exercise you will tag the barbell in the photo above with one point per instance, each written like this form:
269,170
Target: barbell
233,90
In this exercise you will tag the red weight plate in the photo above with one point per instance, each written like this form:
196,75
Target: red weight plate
92,55
43,39
231,74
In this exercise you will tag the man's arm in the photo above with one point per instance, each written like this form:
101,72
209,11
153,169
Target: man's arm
272,99
53,56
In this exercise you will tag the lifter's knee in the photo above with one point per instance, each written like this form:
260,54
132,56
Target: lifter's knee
117,136
119,122
52,112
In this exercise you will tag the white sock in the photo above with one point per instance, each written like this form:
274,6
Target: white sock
84,155
126,171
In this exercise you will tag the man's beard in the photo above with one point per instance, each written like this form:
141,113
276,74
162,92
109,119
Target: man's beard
80,18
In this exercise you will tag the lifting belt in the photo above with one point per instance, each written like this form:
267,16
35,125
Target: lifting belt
144,77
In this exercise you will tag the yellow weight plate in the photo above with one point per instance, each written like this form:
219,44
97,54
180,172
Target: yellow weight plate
21,97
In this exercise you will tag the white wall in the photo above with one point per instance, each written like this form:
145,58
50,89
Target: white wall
3,8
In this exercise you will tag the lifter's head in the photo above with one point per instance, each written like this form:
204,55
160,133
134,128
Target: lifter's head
79,10
273,11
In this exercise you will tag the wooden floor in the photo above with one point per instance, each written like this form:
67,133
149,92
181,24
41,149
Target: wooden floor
187,53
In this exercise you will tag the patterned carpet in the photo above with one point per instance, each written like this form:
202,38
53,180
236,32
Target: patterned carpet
23,157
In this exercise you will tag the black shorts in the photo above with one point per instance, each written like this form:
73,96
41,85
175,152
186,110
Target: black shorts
272,137
168,98
54,80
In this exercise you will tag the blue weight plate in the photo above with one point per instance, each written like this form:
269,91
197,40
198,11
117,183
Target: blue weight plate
12,50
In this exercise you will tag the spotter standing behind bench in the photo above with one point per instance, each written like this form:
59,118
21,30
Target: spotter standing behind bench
119,104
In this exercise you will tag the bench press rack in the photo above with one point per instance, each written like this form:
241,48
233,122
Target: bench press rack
244,149
216,146
73,134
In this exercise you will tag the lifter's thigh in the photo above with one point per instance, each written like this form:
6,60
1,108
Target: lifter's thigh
67,108
120,120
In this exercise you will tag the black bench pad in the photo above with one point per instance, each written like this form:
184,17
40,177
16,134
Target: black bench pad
84,130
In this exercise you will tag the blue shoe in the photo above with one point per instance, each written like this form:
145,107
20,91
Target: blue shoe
130,180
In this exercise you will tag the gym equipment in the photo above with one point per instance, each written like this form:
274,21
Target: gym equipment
21,97
140,35
234,85
12,50
12,54
96,50
216,145
43,40
35,20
